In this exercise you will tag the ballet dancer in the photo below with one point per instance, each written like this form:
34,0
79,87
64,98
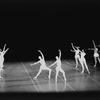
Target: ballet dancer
96,54
83,62
58,67
43,65
77,53
2,53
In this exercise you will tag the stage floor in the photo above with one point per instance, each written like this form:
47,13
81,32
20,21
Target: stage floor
18,77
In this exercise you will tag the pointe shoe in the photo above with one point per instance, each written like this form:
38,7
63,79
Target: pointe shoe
94,65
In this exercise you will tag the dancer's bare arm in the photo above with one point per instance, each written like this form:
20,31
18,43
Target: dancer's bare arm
34,63
41,54
52,64
4,47
5,51
94,44
72,50
59,53
79,50
73,46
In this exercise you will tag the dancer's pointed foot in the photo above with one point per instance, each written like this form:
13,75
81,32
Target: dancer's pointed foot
76,67
94,65
65,81
1,77
82,72
89,72
35,78
49,77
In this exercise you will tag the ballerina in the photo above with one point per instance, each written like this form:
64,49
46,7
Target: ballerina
77,54
83,61
43,65
96,54
58,67
2,53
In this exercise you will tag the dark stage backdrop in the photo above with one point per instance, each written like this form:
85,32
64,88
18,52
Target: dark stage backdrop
48,25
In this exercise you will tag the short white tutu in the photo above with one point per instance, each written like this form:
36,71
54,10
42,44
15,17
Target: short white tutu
96,55
77,56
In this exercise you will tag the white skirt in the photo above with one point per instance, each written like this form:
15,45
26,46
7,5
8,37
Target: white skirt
96,55
77,56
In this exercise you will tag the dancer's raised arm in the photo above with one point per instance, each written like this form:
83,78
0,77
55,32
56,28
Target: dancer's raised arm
59,53
5,51
4,47
41,54
94,44
73,46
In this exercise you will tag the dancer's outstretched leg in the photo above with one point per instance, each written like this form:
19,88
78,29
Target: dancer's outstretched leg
57,72
63,74
95,59
99,59
81,62
86,67
82,69
40,70
49,73
1,71
76,59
